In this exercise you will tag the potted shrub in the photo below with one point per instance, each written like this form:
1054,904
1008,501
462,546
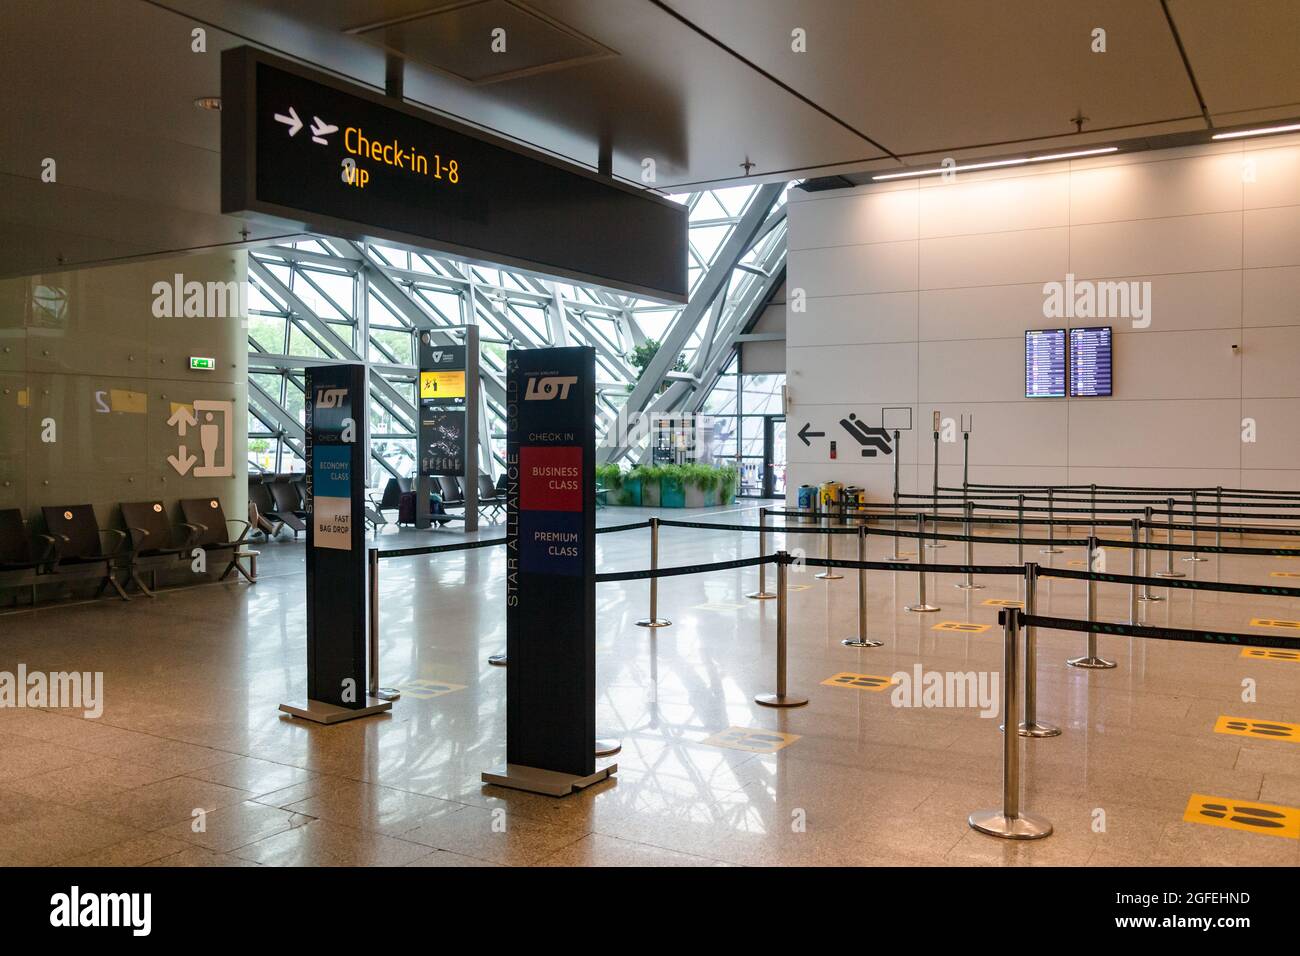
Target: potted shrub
609,478
701,485
672,486
727,479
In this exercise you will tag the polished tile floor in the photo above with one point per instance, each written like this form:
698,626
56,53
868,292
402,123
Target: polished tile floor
193,680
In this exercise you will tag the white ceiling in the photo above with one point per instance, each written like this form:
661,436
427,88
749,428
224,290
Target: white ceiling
107,89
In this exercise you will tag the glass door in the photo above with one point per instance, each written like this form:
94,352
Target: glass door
774,457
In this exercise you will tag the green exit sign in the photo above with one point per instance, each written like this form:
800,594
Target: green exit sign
200,364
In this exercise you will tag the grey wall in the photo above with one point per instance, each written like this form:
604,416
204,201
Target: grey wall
919,292
766,358
72,343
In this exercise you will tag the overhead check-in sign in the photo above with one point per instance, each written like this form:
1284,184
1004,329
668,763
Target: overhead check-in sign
310,151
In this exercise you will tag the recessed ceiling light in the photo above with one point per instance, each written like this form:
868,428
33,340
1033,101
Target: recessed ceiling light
993,164
1263,131
209,103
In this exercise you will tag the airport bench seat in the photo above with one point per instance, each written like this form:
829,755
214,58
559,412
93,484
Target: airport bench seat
155,544
82,549
20,565
208,525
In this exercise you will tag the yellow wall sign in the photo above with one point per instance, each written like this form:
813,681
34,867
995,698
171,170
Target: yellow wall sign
1271,654
442,385
1267,729
961,626
1243,815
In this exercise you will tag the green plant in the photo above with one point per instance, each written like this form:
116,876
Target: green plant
609,476
728,476
641,356
647,473
704,477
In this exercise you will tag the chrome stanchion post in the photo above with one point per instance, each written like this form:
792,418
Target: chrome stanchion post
1051,527
1020,529
969,584
1194,556
1008,822
654,620
920,604
1146,594
1030,726
1218,518
762,594
828,551
936,543
383,693
1092,528
1133,572
861,640
781,698
1092,660
1169,571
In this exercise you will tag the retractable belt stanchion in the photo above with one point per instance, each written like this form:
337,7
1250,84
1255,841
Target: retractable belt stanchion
1146,594
1008,822
898,454
1194,556
1051,527
920,604
936,543
1133,572
1030,726
781,698
828,551
1218,518
969,584
861,640
383,693
762,594
654,620
1169,571
1020,529
1092,660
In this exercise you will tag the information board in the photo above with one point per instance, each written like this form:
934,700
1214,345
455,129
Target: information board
1090,362
1045,363
307,149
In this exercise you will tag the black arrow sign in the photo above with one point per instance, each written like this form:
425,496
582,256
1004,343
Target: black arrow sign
805,434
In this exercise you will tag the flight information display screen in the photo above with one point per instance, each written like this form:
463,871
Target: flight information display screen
1090,362
1045,363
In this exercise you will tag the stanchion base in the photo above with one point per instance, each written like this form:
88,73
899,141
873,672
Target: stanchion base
320,712
829,576
607,746
969,587
780,700
1150,597
1196,558
935,545
854,642
387,693
921,608
1036,729
900,559
998,824
657,622
497,660
550,782
1050,551
1092,663
1168,574
761,595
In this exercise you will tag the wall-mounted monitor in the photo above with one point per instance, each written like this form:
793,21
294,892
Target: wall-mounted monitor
1090,362
1045,363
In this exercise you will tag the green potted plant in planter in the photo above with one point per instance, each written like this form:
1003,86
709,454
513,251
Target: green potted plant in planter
609,478
672,486
702,483
727,480
649,476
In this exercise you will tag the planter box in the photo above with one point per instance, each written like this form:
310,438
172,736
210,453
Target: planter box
650,494
671,493
631,492
696,498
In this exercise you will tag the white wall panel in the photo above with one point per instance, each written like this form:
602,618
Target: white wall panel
961,208
820,375
853,319
1148,246
853,270
1039,255
856,220
1271,296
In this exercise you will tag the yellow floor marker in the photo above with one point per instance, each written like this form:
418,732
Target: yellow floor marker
1243,815
1284,574
1002,602
961,626
1268,730
860,681
752,739
1271,654
797,587
428,689
1274,622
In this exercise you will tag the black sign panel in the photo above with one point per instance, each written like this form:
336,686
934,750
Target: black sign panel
335,158
335,423
551,559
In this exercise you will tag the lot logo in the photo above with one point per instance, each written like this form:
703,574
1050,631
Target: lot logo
37,689
546,387
1086,299
74,908
199,300
330,397
923,688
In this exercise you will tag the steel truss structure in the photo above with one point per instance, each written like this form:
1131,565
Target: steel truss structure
318,300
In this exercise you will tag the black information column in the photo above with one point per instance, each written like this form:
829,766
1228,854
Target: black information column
337,439
551,567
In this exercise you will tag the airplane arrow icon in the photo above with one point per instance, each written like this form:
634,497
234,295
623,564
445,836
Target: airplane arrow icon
185,462
319,129
292,121
805,434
